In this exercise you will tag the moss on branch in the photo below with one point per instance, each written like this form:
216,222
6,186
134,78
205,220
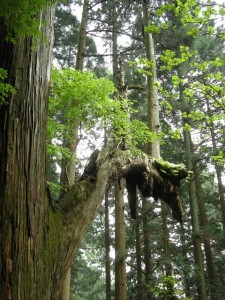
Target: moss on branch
154,178
77,195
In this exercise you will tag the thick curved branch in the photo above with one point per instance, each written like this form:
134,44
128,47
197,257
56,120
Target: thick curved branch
80,204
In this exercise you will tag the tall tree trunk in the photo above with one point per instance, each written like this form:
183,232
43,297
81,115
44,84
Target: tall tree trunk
120,237
218,172
82,37
166,242
25,261
120,245
138,256
147,247
153,122
107,250
206,238
69,167
153,148
186,273
196,235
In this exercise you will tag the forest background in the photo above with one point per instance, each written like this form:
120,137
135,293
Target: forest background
190,40
152,256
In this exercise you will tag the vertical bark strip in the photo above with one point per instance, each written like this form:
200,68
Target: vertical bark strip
204,223
195,222
107,250
218,171
69,165
23,204
153,121
153,148
120,246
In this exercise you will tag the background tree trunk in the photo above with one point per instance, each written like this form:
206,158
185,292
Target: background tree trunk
206,237
153,148
120,245
138,243
218,171
107,250
69,167
196,236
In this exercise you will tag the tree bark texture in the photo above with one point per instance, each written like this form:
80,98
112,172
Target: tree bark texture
196,236
153,148
211,272
120,244
138,257
218,174
107,250
27,257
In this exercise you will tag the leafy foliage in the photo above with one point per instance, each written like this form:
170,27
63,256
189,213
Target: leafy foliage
5,88
22,17
82,98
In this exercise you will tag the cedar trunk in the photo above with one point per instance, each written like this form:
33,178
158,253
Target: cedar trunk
25,219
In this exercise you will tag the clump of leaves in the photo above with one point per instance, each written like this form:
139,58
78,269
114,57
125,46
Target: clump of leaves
21,17
5,88
82,98
167,288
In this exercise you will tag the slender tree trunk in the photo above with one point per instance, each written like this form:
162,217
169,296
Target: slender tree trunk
138,257
120,240
186,273
107,250
153,122
206,238
196,235
82,37
221,187
166,242
69,167
120,245
147,247
152,148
